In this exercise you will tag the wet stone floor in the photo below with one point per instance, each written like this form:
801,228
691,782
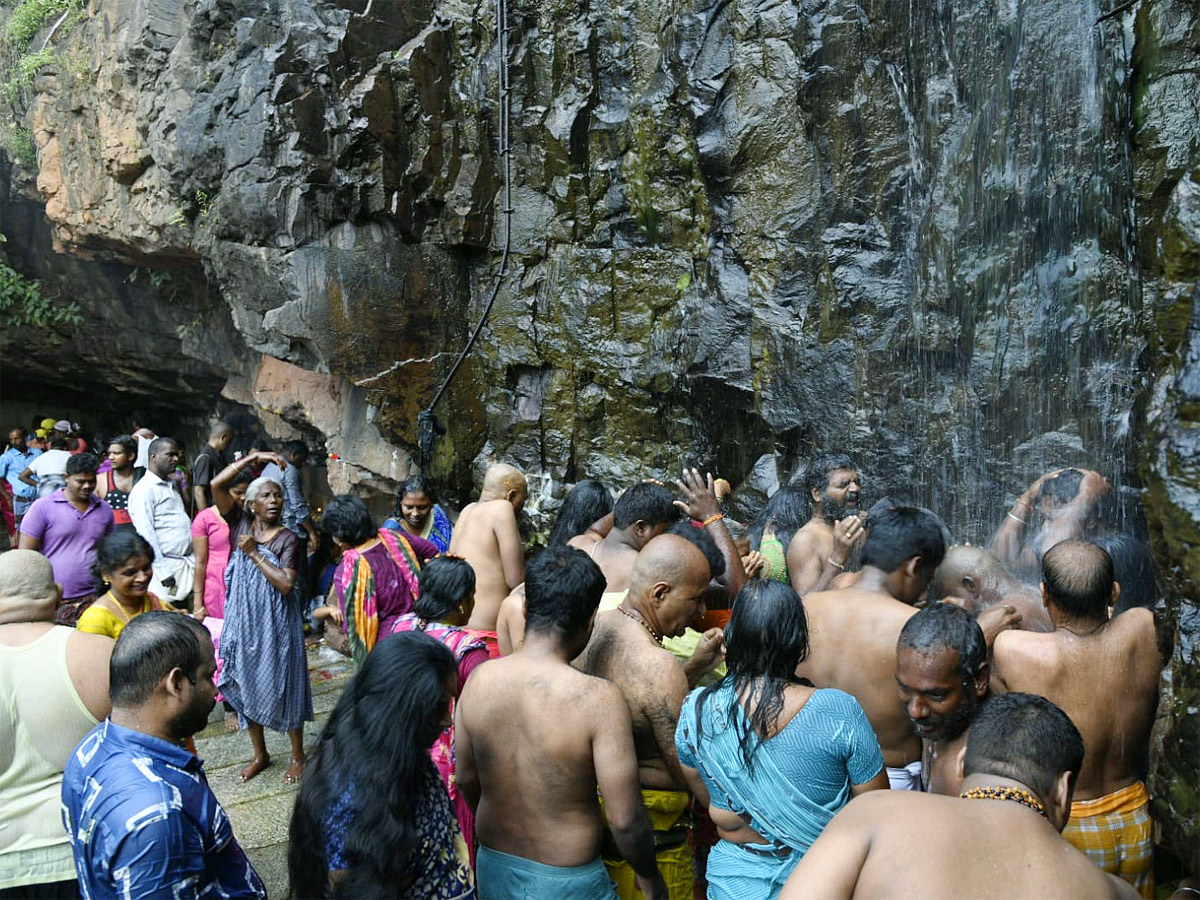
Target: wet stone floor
261,809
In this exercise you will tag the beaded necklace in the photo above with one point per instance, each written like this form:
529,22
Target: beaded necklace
1016,794
637,618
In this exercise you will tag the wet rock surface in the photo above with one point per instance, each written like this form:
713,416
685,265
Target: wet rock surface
953,239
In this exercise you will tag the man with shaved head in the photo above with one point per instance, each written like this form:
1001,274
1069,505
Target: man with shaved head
1103,673
942,674
666,591
973,578
486,535
212,459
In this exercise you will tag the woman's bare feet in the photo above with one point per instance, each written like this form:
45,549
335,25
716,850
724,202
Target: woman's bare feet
256,765
292,775
231,721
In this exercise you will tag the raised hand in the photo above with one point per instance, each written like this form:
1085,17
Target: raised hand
699,497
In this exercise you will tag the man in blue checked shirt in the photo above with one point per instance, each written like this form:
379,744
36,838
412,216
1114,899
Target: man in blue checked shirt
137,807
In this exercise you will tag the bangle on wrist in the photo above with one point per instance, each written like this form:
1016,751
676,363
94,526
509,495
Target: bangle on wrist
1025,503
1017,519
715,517
841,567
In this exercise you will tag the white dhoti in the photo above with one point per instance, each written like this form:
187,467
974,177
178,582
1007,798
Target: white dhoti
907,778
182,568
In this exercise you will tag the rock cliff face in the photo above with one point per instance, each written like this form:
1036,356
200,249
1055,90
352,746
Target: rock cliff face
953,239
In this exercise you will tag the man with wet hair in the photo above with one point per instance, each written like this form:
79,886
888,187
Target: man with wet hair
142,819
854,631
998,839
973,578
942,674
643,512
823,546
534,740
1068,503
666,591
486,535
1103,672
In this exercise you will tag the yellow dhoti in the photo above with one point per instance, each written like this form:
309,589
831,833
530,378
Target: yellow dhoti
668,816
1116,833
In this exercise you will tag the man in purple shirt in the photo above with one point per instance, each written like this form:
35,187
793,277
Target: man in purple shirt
66,527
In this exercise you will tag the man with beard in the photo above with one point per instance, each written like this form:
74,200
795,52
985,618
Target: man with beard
942,673
142,819
821,549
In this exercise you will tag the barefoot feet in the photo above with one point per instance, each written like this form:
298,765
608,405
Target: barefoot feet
292,775
256,765
231,721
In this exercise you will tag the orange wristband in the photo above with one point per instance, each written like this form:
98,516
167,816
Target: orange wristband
715,517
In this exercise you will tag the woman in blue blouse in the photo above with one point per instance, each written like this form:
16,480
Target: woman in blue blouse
773,757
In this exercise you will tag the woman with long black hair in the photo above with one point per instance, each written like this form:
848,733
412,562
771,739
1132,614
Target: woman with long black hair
373,818
771,533
774,757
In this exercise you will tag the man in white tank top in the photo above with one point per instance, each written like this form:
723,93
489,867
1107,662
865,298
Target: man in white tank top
54,686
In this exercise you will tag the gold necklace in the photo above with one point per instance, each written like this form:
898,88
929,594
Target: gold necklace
1016,794
630,614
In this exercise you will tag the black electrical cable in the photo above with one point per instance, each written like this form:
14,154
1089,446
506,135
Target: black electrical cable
428,425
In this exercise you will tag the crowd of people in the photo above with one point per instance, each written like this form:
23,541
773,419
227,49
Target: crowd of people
661,702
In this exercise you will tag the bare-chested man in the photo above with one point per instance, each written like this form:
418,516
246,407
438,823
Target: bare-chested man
1067,503
997,841
1103,673
821,548
853,632
666,591
942,674
535,738
486,535
972,577
643,512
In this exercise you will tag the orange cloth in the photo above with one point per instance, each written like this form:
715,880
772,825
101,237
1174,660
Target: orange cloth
1116,833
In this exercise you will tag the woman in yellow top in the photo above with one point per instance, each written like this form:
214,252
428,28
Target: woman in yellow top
124,561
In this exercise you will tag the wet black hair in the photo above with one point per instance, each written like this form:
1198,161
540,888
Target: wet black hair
785,513
1064,487
587,502
902,532
1133,569
1023,737
82,463
391,711
645,502
414,484
149,647
1079,578
348,519
562,590
127,443
942,625
765,640
116,547
816,476
704,541
445,583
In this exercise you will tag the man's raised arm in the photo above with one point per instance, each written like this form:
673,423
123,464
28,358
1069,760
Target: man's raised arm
512,556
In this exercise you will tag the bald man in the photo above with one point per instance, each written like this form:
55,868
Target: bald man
486,535
853,632
973,578
1103,673
212,459
666,591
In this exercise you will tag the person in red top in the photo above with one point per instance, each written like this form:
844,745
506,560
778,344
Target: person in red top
113,486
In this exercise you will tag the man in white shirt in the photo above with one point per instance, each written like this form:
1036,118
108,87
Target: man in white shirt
157,512
48,472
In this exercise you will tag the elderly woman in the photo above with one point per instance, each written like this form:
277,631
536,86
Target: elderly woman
264,671
773,757
376,581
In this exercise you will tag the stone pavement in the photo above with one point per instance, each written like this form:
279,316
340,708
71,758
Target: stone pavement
261,809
